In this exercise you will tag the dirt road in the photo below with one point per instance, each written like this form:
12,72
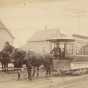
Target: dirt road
9,81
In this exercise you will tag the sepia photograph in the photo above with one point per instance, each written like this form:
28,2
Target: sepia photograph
43,43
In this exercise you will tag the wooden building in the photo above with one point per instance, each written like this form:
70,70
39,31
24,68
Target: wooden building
38,42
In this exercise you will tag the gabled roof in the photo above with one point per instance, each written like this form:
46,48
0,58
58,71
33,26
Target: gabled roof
2,26
80,36
48,34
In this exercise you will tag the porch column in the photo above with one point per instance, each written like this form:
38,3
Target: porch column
65,46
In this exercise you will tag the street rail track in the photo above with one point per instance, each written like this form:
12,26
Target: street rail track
68,83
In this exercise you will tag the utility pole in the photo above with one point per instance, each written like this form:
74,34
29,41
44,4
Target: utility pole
77,14
26,2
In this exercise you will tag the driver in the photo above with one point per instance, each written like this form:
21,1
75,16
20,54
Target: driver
56,51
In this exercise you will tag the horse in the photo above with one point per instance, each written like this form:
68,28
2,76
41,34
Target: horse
37,60
5,57
5,60
17,57
32,61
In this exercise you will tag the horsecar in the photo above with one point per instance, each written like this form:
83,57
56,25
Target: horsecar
71,63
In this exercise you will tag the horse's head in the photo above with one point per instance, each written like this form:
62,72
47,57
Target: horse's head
13,54
17,57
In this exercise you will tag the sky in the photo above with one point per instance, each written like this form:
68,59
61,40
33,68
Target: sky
24,17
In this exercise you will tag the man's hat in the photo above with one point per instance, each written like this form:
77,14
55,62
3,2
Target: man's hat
7,42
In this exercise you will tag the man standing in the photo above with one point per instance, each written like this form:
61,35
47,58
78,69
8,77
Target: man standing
56,52
5,53
7,48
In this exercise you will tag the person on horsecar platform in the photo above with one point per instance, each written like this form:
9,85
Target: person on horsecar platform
63,53
56,52
8,48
